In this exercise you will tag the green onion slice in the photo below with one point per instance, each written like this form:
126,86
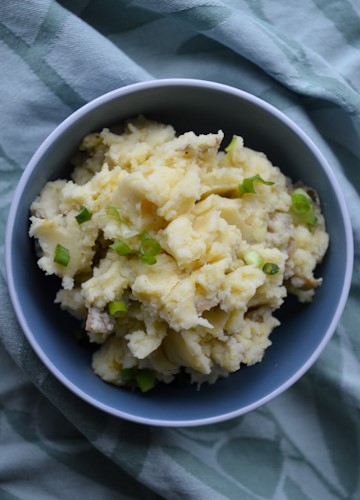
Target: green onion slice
83,216
149,248
62,255
117,309
127,374
113,211
303,208
247,185
252,257
145,379
270,268
148,259
121,248
231,144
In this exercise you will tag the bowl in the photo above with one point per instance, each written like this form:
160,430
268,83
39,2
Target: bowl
305,330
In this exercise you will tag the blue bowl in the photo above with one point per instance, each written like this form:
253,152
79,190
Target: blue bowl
202,107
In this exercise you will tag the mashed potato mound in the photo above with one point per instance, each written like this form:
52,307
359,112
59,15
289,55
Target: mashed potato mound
178,252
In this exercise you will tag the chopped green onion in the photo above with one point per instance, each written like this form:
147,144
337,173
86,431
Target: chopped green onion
117,309
247,185
231,144
145,379
121,248
83,216
302,207
149,248
148,259
252,257
127,374
270,268
62,255
113,211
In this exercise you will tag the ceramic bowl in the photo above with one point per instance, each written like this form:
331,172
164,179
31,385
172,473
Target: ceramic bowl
202,107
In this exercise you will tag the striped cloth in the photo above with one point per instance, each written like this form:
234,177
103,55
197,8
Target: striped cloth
303,57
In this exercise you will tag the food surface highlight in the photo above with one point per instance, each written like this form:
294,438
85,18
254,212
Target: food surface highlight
173,253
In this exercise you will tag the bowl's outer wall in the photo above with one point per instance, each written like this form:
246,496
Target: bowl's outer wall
294,343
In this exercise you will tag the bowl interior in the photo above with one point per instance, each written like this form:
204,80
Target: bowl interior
304,329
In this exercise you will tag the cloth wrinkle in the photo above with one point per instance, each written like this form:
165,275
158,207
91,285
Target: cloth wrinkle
55,57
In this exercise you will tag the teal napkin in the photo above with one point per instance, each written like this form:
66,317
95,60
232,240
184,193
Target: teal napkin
301,57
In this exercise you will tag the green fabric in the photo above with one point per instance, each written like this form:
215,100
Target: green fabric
303,57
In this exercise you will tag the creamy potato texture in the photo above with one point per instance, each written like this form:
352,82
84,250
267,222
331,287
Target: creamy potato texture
182,254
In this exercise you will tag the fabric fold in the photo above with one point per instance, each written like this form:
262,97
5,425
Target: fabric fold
55,57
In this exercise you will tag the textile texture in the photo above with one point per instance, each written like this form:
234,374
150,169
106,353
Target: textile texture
302,57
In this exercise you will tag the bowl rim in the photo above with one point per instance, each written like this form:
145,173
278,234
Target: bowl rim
121,92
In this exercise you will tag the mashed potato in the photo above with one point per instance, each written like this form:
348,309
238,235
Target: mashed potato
175,254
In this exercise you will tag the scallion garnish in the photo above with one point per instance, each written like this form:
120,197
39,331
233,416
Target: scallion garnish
83,216
148,259
117,309
302,207
231,144
121,248
113,211
145,379
149,248
61,255
247,185
127,374
270,268
252,257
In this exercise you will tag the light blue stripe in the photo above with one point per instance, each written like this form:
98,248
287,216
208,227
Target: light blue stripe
53,81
